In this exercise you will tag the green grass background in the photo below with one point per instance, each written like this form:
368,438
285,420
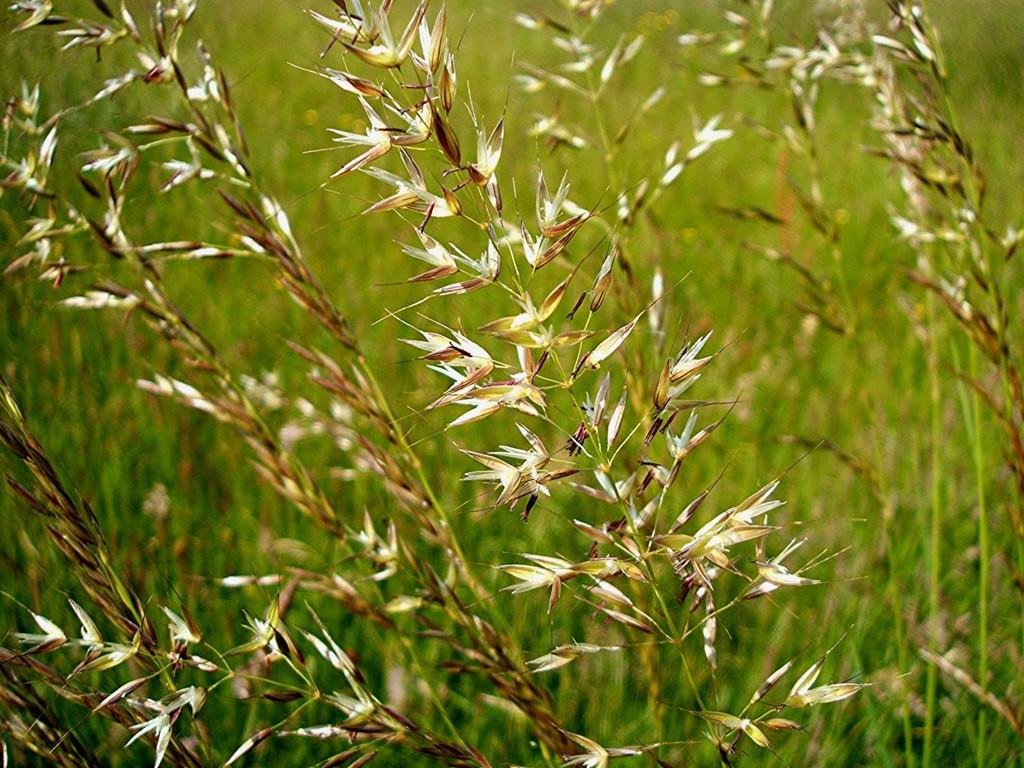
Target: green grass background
867,392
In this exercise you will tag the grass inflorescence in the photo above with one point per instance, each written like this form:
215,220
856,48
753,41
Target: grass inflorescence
456,470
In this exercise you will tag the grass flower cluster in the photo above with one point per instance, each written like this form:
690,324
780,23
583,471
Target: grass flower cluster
498,455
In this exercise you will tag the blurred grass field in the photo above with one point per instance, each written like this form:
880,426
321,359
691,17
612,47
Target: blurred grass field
798,383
